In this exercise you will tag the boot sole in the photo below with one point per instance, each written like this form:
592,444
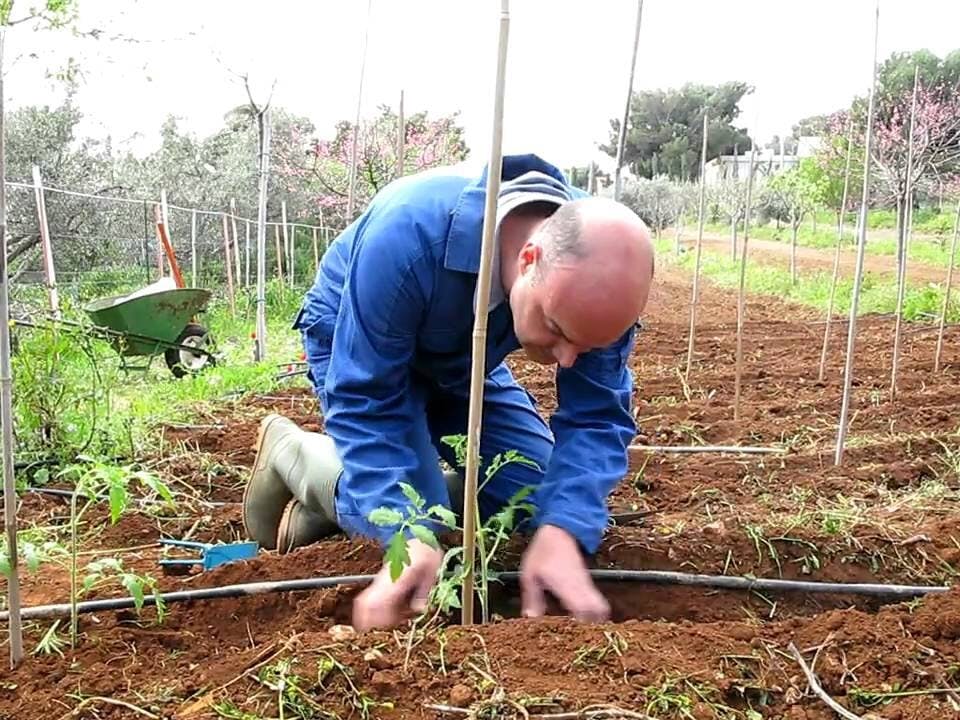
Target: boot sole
262,430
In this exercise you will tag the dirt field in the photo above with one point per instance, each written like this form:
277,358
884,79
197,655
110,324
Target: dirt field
889,514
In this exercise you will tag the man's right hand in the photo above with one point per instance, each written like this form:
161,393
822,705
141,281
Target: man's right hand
385,603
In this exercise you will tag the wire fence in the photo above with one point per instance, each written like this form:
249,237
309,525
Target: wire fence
104,243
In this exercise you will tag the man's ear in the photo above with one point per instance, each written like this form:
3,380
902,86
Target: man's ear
530,255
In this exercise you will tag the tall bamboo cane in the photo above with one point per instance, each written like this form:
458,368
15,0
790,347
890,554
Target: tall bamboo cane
696,270
741,304
622,138
474,420
836,255
904,240
946,294
861,249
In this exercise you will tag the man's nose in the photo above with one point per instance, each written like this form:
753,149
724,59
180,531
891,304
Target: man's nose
566,355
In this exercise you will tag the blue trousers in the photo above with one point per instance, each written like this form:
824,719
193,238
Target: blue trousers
510,422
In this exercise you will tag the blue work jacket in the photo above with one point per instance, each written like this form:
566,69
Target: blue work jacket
394,296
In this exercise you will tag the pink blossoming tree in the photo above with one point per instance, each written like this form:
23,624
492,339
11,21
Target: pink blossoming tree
324,165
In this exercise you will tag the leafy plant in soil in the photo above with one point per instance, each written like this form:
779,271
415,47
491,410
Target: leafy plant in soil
490,535
93,479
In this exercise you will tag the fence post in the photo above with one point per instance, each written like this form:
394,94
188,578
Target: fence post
49,270
193,246
246,251
276,237
165,216
236,239
226,257
286,241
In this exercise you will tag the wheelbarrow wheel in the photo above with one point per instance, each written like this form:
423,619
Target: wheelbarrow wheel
183,362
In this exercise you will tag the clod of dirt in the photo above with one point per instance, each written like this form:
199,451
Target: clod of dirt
342,633
461,696
384,682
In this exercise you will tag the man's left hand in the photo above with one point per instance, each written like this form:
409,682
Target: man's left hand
553,563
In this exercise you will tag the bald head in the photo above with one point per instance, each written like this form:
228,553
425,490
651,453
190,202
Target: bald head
589,268
596,228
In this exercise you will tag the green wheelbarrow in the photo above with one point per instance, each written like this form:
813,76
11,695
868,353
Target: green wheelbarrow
157,319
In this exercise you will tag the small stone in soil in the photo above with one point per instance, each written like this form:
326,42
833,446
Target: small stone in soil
461,696
342,633
377,660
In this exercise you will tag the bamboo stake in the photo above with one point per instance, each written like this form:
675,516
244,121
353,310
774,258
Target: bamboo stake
193,246
229,264
696,272
6,409
276,237
946,294
351,192
741,304
246,256
836,256
316,251
236,240
902,270
401,139
286,241
260,342
475,417
49,270
622,139
861,249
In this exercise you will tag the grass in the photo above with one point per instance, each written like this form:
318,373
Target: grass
72,396
877,295
930,243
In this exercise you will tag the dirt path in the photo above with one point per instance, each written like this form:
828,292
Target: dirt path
772,252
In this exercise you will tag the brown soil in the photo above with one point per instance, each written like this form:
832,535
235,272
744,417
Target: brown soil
887,514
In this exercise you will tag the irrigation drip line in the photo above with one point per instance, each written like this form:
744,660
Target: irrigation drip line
655,577
59,492
709,449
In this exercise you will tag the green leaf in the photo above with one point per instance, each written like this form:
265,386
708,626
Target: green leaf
425,535
118,501
753,715
413,496
134,585
31,556
397,555
446,516
385,517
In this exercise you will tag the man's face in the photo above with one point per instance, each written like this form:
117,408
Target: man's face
566,311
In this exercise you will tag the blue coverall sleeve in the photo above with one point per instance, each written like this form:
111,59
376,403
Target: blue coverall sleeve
592,427
370,412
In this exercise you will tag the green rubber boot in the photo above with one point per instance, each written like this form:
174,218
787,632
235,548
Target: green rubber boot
289,498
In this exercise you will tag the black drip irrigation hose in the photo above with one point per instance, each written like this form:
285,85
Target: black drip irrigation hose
657,577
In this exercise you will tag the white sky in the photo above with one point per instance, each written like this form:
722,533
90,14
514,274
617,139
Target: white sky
567,68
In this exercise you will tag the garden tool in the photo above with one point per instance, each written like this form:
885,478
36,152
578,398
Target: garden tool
211,555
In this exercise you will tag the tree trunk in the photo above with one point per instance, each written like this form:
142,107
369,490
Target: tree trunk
793,252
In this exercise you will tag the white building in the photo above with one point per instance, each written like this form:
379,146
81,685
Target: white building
766,162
